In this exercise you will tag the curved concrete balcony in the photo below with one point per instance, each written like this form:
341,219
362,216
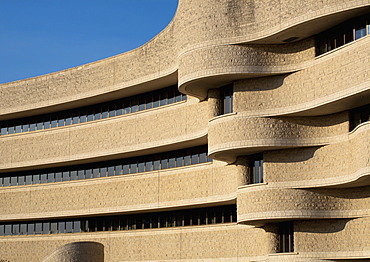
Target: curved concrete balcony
334,82
170,244
259,204
196,185
78,251
155,64
145,132
313,167
238,134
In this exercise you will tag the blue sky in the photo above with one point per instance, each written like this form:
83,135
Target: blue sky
43,36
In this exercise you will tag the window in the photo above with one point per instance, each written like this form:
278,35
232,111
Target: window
256,169
227,99
186,217
178,158
286,237
114,108
343,34
358,116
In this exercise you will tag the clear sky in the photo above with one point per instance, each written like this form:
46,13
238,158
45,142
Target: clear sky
43,36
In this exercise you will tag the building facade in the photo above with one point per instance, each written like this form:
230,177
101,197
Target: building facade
240,132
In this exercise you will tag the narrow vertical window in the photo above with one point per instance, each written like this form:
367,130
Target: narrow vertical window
227,99
256,169
286,237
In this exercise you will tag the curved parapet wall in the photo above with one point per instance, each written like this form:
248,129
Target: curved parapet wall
311,91
233,135
261,204
197,24
108,138
193,185
313,167
78,252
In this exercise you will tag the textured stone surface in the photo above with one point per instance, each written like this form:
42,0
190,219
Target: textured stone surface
288,105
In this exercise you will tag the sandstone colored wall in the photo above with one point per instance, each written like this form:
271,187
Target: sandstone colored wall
245,135
196,24
229,241
274,204
310,167
108,137
331,77
184,186
78,252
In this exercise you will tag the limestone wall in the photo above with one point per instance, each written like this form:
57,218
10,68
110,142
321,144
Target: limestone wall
184,186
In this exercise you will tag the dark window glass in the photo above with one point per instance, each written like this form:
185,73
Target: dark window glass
8,229
127,107
83,117
103,171
149,102
119,170
163,97
18,129
46,228
11,129
203,157
66,176
13,180
90,115
148,166
4,131
227,99
21,180
76,117
179,161
61,121
44,178
256,169
133,168
68,120
156,99
30,228
142,104
81,174
51,177
61,227
54,123
58,177
23,229
194,159
47,123
36,179
53,227
73,174
171,162
134,105
89,173
38,228
157,164
69,227
105,112
76,226
141,167
286,237
15,229
96,172
111,171
6,181
126,169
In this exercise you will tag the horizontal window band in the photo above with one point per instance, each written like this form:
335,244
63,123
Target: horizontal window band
167,219
160,161
109,109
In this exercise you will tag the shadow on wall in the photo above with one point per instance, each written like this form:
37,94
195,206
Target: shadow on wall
78,252
321,226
